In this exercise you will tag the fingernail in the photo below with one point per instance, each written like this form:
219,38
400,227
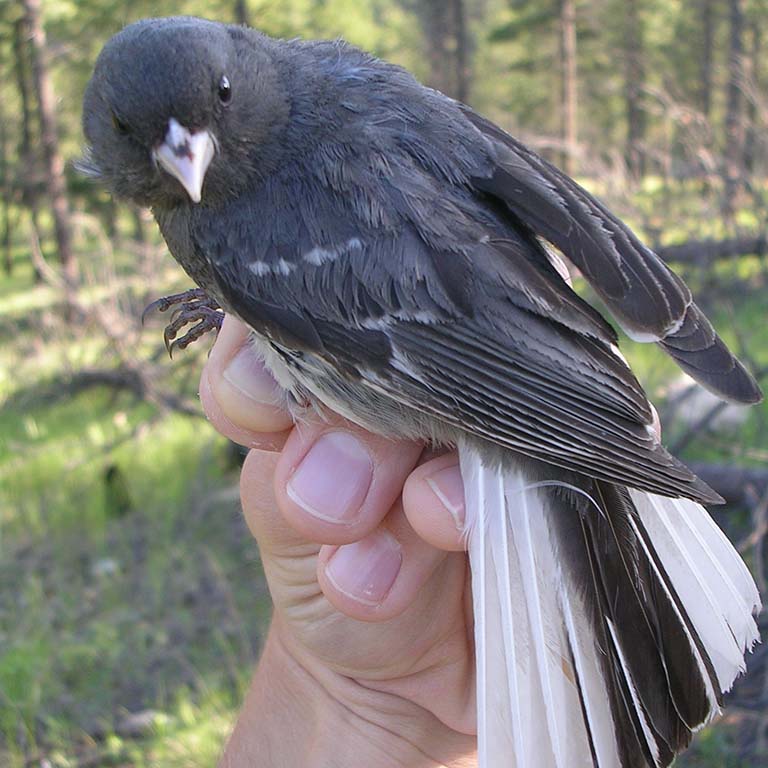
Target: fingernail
447,485
366,569
247,373
333,479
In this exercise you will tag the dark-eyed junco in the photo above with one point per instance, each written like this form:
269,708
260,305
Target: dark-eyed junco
388,247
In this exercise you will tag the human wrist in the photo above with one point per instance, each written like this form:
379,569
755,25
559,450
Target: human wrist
301,713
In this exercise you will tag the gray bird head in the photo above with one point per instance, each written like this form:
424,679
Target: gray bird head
183,109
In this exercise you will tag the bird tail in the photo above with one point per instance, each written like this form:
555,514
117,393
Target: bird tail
608,622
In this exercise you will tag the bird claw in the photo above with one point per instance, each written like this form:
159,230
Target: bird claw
164,303
193,307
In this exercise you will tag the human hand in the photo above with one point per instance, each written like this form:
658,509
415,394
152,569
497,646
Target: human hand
361,545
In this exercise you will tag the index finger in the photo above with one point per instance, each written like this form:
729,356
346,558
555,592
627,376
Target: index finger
239,395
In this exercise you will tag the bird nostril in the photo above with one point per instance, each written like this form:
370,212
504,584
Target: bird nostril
185,155
183,150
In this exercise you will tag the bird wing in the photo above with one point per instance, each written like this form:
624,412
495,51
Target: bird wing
478,331
650,302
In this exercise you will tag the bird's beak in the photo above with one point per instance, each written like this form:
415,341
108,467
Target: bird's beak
186,156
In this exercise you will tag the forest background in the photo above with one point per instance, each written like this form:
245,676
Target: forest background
132,604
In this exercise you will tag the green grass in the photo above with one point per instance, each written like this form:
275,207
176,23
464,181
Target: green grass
116,597
713,748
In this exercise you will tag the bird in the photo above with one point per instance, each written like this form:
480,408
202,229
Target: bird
398,259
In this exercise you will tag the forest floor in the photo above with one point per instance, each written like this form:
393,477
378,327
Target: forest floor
132,603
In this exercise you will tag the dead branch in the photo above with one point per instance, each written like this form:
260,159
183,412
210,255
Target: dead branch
756,540
120,329
115,378
733,483
698,427
703,423
704,252
135,379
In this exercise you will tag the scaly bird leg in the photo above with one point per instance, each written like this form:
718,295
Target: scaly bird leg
192,306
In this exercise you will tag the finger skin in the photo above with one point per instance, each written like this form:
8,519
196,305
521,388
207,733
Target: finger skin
283,522
256,424
281,543
415,644
433,500
268,441
261,514
247,396
242,401
391,463
419,562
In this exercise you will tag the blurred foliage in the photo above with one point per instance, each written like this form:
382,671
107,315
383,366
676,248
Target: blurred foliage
129,585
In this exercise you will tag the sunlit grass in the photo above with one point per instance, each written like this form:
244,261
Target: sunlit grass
30,299
712,749
102,611
189,735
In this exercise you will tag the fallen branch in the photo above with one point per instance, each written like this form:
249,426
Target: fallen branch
704,252
116,378
136,380
756,541
737,485
703,423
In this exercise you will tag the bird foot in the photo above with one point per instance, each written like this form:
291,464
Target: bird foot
193,307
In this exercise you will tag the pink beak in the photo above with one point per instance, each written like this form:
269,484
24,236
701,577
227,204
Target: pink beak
186,156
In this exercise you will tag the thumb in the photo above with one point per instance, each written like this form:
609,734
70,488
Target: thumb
265,521
289,560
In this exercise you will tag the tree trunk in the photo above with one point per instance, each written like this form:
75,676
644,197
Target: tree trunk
109,219
22,83
435,28
29,185
753,78
241,12
7,193
54,164
706,62
703,253
734,119
634,84
569,85
139,230
463,76
737,485
448,39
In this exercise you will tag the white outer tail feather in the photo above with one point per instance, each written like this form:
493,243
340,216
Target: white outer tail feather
534,646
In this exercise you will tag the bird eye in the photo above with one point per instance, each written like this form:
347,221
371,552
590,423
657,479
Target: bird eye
119,125
225,90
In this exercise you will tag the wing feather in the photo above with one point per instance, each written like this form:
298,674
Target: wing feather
650,301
